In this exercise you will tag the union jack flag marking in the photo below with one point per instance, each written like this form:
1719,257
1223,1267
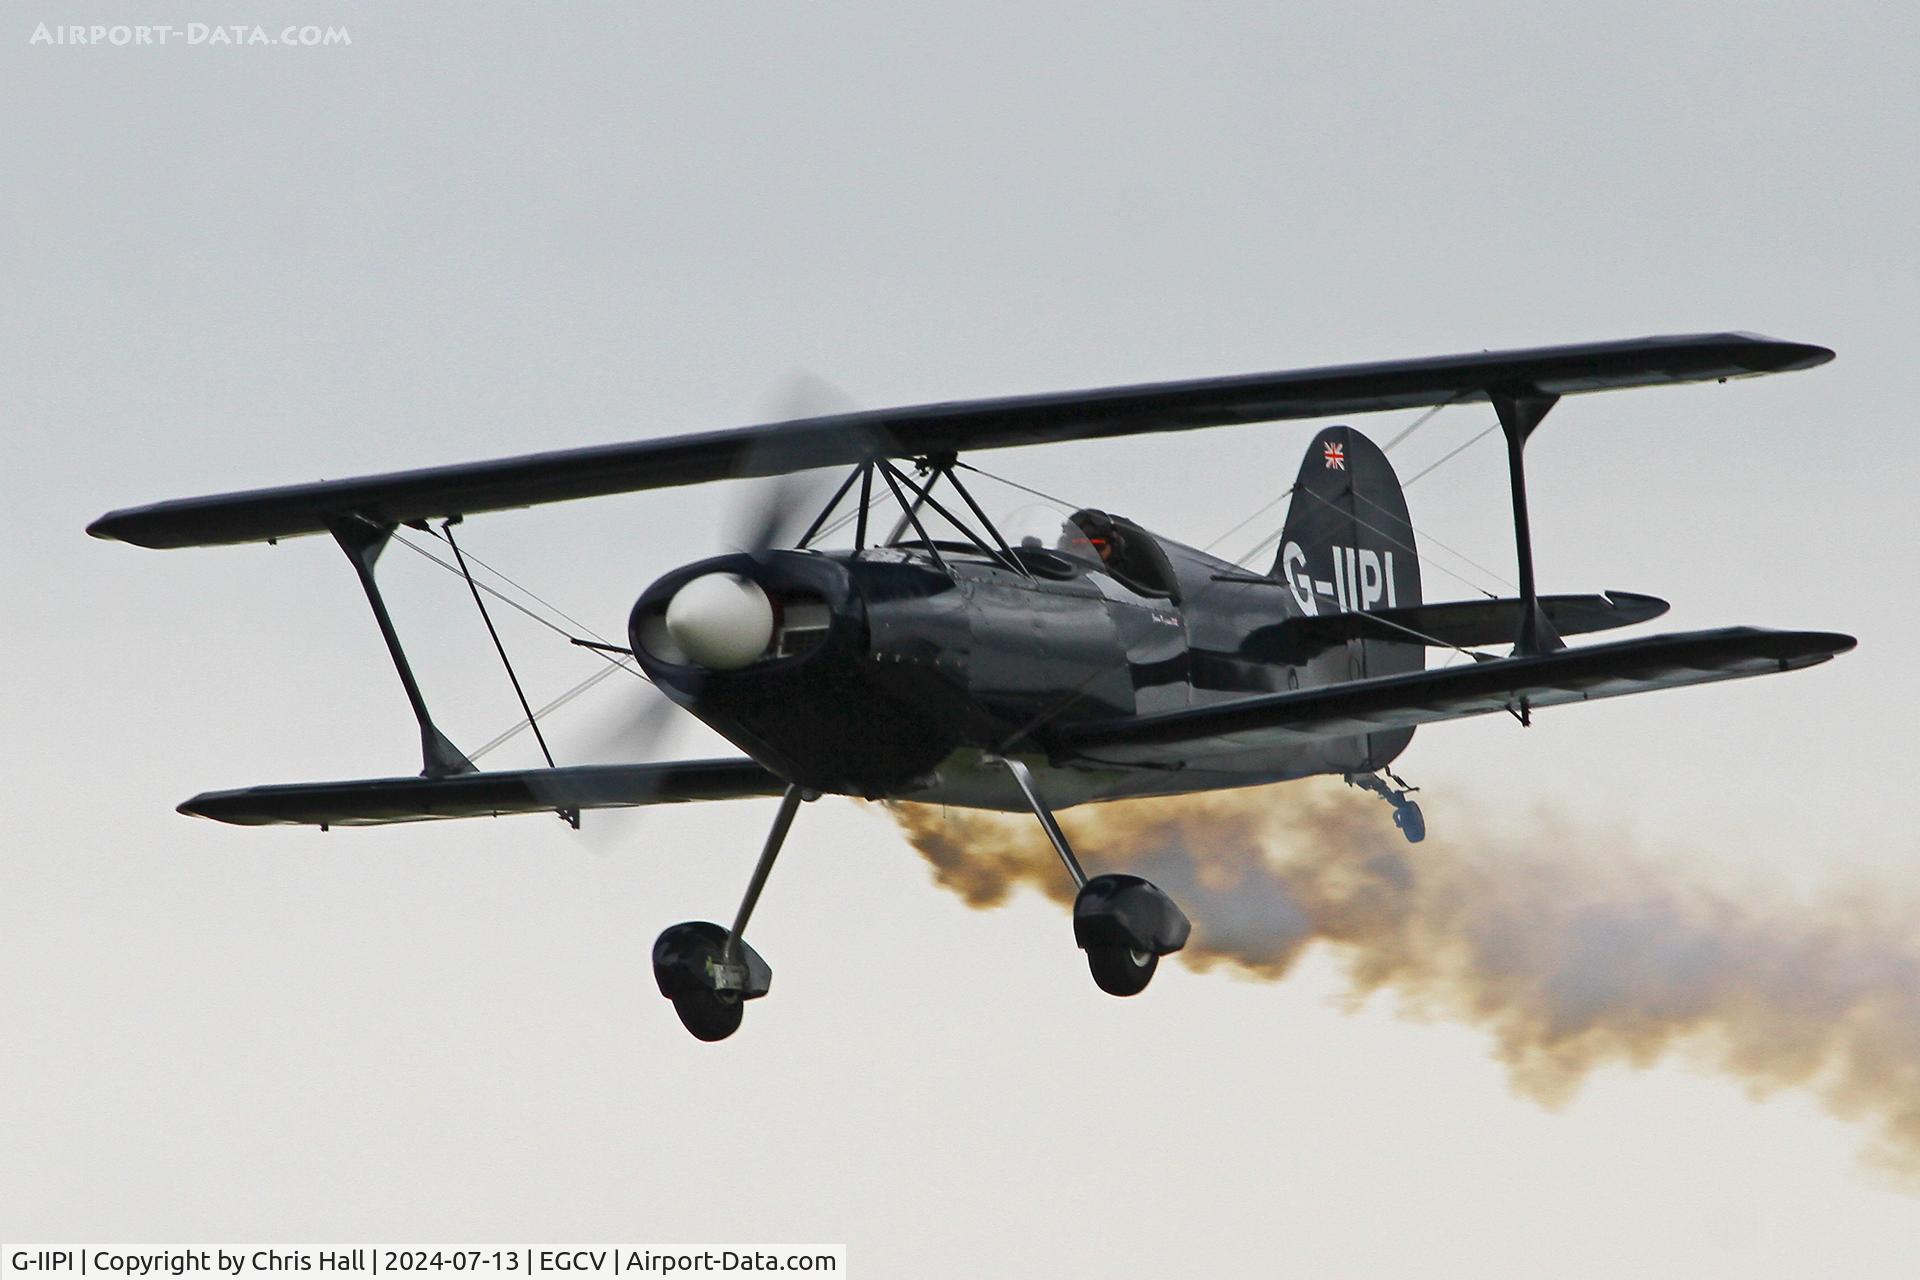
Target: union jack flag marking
1336,456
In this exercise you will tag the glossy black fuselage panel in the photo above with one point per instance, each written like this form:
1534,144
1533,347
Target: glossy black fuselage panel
920,663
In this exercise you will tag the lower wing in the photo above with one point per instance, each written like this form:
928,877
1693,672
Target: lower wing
1422,697
369,802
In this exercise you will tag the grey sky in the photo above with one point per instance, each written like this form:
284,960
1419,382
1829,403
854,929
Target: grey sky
491,228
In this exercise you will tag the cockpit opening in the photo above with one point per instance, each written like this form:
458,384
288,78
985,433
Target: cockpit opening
1123,548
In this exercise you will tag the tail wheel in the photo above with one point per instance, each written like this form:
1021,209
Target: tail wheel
1121,971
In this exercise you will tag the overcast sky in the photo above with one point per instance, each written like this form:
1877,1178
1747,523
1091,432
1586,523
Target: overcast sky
483,229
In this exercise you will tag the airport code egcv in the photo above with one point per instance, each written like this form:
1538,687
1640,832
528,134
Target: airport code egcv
135,1262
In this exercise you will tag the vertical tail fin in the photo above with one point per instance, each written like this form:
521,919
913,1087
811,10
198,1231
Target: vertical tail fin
1348,547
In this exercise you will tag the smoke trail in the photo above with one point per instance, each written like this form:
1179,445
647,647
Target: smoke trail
1568,956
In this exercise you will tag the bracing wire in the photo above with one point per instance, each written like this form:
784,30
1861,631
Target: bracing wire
1451,456
511,603
1374,528
614,663
1418,423
519,691
1426,537
1015,484
555,705
1285,496
544,603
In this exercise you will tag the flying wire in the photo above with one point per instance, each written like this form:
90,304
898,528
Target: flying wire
1426,537
510,602
1427,560
613,663
1450,457
555,705
1015,484
553,608
1285,496
1418,422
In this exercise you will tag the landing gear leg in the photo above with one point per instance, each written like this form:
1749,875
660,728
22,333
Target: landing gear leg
1123,923
1394,790
710,972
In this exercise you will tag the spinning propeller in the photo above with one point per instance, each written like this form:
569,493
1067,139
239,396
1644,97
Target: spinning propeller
722,621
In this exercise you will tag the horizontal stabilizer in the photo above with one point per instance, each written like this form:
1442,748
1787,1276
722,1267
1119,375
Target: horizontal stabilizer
1518,684
403,497
1456,624
370,802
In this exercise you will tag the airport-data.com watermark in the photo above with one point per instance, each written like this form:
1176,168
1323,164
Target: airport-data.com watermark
198,35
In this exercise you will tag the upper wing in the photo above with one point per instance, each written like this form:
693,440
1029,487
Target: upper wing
920,430
369,802
1422,697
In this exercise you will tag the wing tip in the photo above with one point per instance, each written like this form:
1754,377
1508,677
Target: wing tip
1835,643
1788,356
1636,604
205,805
107,528
135,526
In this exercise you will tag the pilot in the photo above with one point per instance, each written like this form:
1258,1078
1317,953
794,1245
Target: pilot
1126,551
1096,529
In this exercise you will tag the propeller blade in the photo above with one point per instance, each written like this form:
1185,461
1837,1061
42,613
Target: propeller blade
637,728
641,726
774,514
780,507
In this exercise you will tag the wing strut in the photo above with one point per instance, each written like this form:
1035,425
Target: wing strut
363,540
1521,410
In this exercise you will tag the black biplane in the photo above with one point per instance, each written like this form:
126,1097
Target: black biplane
977,671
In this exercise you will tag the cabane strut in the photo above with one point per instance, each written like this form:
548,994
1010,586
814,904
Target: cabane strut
935,467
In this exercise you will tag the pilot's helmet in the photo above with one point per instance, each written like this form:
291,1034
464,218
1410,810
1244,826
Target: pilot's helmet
1091,532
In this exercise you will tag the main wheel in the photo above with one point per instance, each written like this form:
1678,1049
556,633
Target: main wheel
1121,971
708,1014
683,964
1407,817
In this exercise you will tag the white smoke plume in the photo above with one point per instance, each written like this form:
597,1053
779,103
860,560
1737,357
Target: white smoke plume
1568,955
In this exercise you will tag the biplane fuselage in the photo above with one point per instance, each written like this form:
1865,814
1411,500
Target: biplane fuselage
905,674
